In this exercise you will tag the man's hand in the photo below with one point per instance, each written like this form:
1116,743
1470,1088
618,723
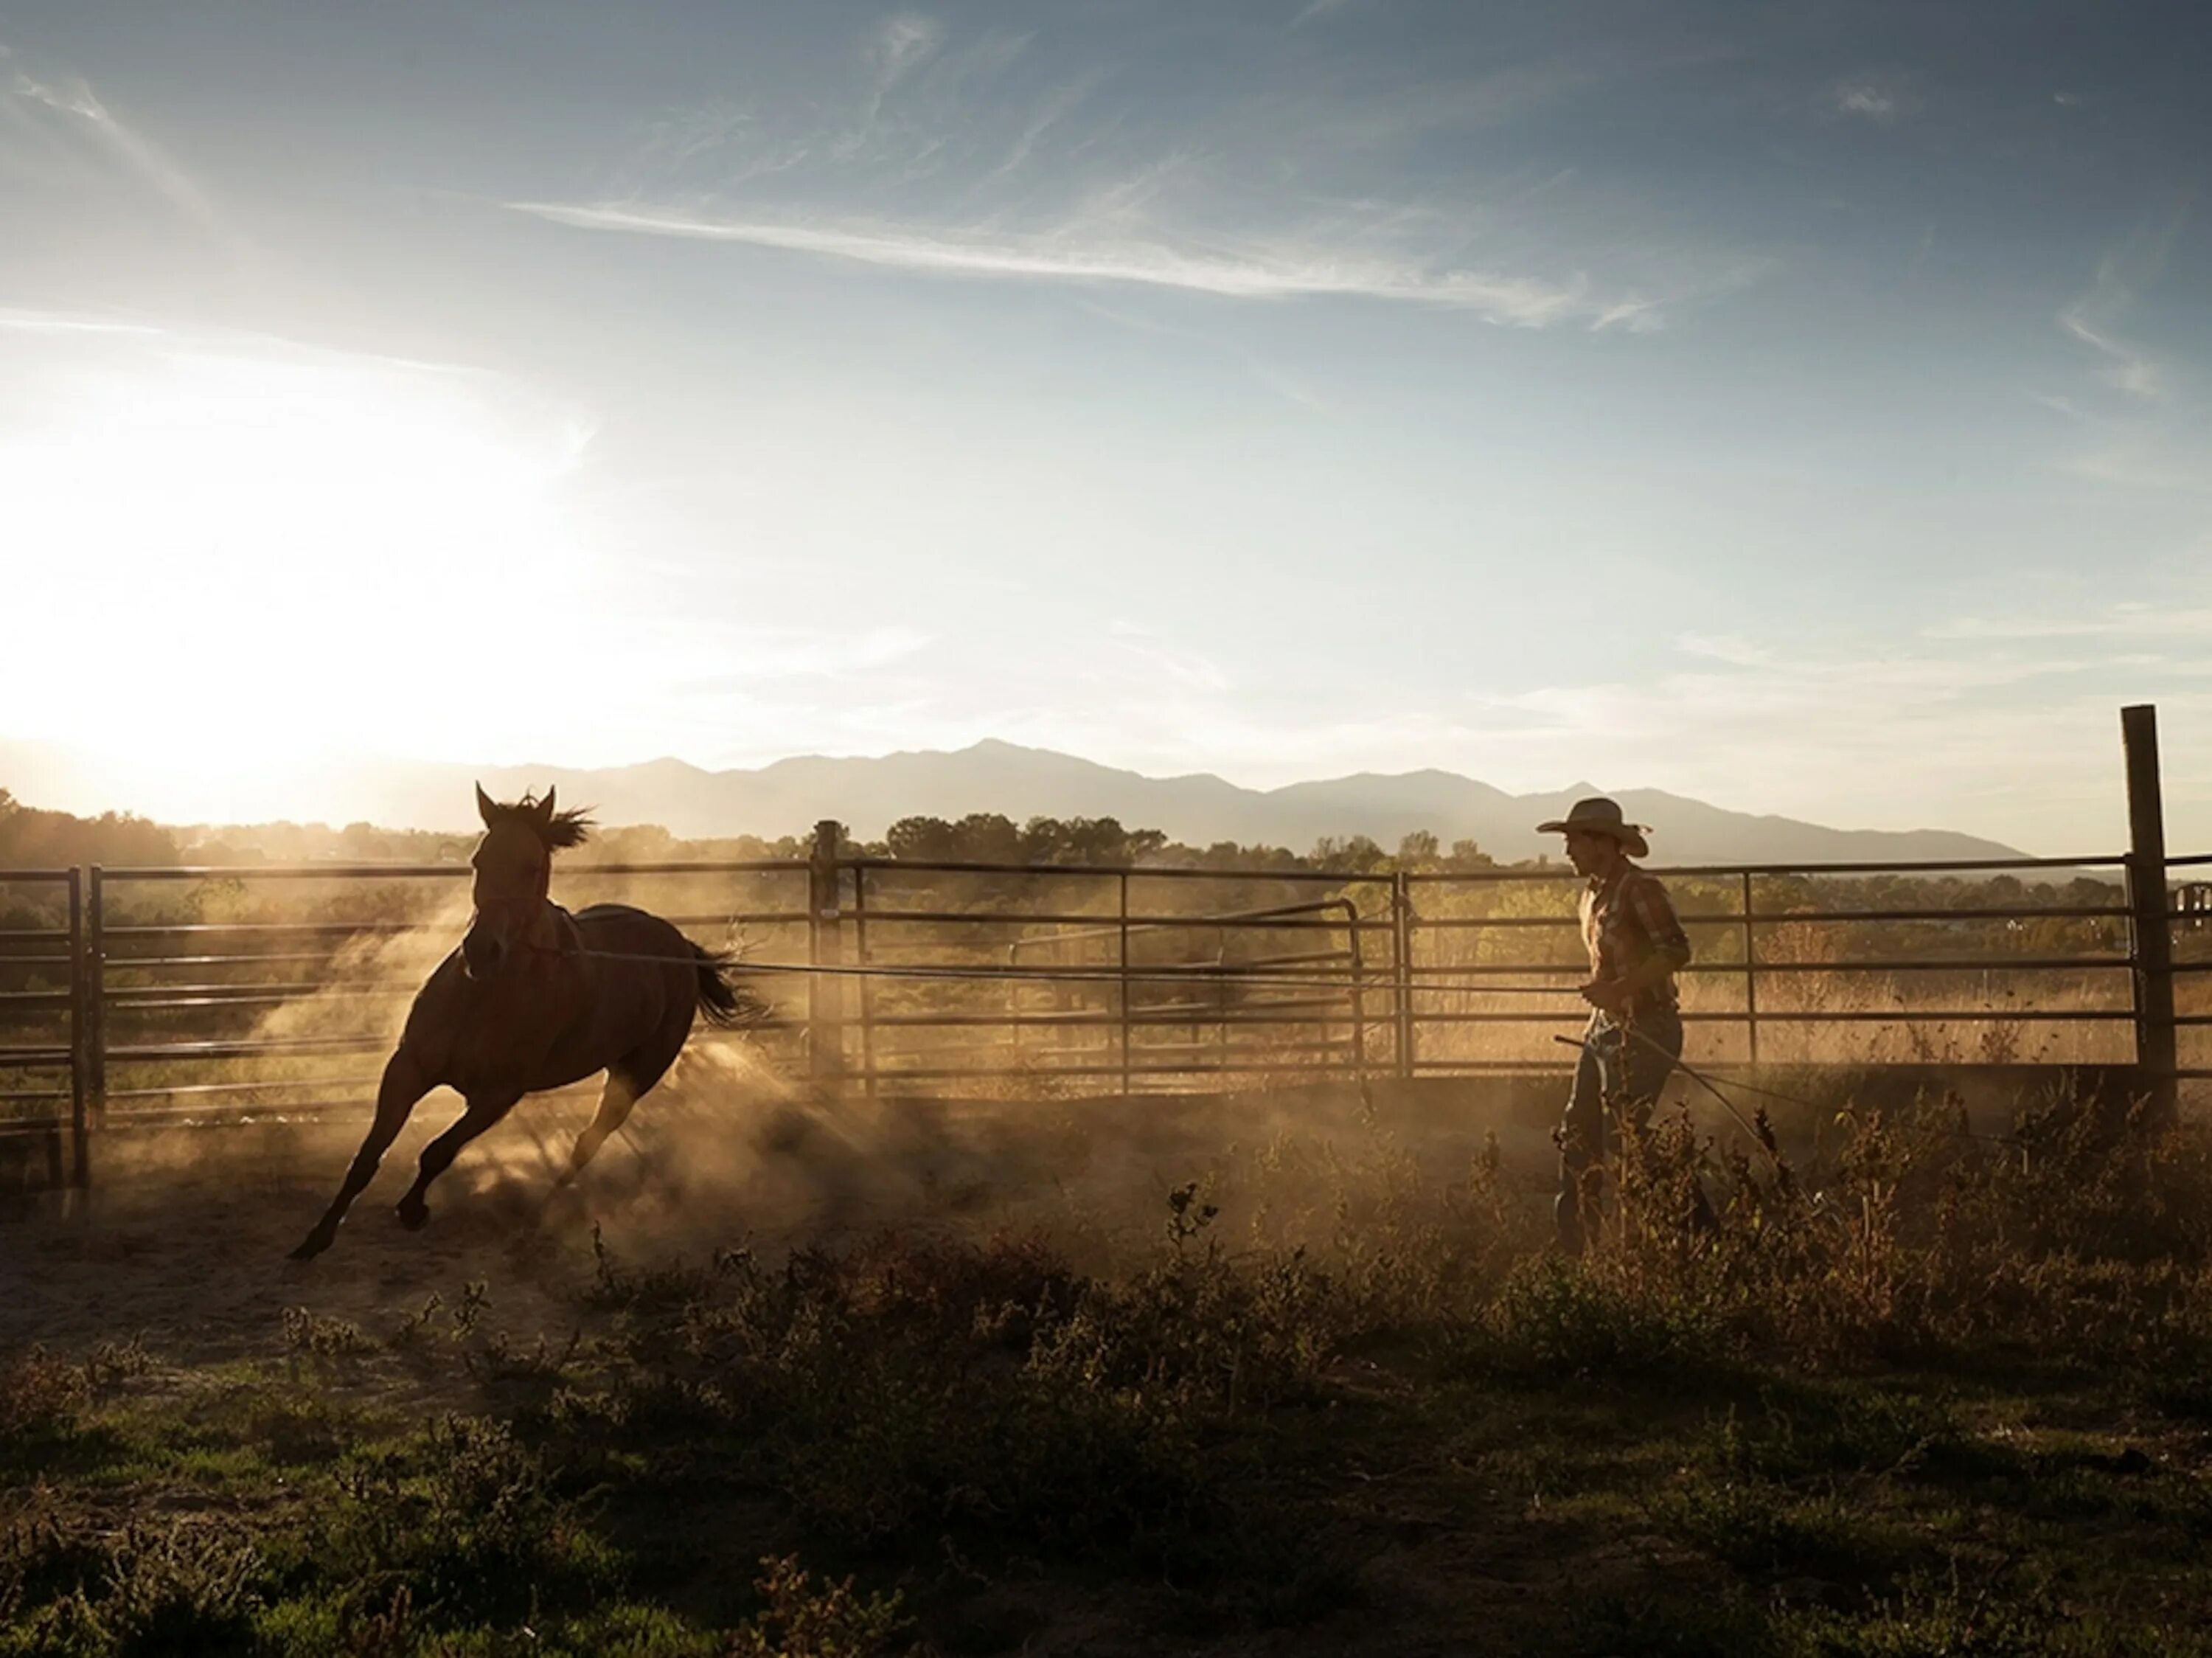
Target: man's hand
1605,995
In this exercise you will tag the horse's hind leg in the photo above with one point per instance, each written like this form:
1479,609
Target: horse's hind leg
484,1109
622,1090
403,1084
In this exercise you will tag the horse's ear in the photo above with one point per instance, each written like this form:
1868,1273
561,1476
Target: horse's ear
484,806
545,808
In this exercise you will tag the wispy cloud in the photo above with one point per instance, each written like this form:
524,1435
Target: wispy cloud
2131,371
899,46
1731,647
1000,155
203,343
18,321
756,655
2132,621
1172,665
2150,462
1058,105
1980,732
2094,318
905,42
1882,100
1258,269
1266,373
81,112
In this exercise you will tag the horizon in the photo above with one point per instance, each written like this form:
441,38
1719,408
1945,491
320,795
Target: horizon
464,818
1807,413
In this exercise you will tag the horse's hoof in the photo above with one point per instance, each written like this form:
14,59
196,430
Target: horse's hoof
310,1246
413,1216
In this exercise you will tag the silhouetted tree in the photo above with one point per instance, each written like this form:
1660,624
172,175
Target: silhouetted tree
31,837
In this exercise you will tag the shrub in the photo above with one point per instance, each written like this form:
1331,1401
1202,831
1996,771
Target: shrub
465,1517
802,1621
186,1590
39,1396
1557,1318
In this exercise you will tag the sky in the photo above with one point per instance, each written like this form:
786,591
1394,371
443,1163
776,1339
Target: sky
1806,408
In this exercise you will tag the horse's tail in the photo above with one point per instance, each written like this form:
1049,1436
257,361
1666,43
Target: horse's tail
723,1002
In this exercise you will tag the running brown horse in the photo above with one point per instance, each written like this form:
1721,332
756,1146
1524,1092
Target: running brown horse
537,998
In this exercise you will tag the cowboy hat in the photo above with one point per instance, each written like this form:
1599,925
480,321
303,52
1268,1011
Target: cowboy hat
1600,816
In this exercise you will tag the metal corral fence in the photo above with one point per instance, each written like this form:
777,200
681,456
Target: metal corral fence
222,994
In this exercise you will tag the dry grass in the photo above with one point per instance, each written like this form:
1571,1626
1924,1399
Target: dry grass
1226,1379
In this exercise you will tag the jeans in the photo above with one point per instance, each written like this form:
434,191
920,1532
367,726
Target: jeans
1618,1079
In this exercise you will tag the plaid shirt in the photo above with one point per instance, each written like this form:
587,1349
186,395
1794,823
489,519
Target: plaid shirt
1627,920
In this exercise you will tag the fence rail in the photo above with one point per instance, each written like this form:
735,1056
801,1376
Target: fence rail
203,993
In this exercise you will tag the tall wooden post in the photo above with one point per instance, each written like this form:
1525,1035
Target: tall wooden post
825,992
2150,945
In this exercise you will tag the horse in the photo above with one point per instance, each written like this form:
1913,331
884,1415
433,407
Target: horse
537,998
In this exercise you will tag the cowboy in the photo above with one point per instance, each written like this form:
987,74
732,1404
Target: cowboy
1636,947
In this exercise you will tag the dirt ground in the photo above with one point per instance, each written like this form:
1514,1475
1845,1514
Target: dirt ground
1477,1512
182,1242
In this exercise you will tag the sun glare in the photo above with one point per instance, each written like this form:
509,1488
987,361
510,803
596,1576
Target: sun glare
225,562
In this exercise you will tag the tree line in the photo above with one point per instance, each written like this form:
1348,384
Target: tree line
978,838
34,838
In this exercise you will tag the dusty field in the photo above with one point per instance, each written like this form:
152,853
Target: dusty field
183,1242
1280,1373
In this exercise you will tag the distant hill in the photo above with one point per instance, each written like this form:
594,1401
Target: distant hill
868,795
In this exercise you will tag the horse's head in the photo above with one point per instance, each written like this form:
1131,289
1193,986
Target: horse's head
513,864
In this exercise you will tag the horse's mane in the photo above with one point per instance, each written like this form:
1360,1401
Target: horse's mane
563,830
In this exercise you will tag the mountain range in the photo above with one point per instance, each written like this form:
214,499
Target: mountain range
867,794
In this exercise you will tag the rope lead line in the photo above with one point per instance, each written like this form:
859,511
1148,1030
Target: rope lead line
1199,974
1678,1063
1728,1106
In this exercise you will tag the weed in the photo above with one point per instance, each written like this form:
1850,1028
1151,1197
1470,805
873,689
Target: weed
1948,1616
1759,1528
475,1302
40,1397
802,1621
466,1518
312,1335
413,1332
112,1363
45,1558
1813,1431
186,1590
1554,1318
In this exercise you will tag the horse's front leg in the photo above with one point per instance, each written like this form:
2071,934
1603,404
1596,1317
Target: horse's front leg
484,1109
405,1083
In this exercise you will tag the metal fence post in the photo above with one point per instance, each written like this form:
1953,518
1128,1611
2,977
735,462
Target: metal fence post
825,993
1401,957
1750,976
1358,1002
95,999
867,984
1121,1000
2150,945
80,1038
